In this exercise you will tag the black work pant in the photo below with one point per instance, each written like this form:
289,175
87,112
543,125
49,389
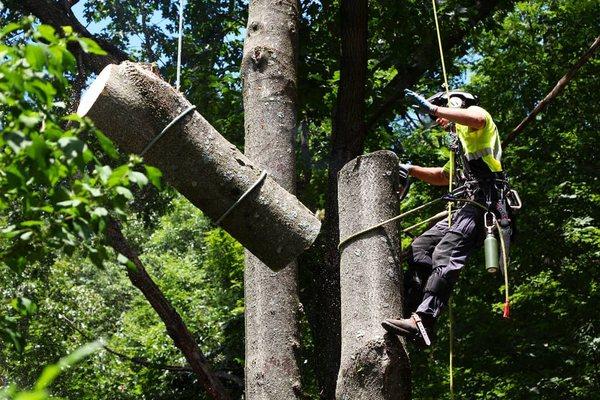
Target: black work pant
436,259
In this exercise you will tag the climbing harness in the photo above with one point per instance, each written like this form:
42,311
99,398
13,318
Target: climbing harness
166,128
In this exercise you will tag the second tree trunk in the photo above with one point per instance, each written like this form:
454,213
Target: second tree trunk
269,75
374,365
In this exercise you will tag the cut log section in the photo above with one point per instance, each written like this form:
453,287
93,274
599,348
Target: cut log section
132,105
374,365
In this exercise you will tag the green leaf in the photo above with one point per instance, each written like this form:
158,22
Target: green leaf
154,174
11,27
24,306
94,191
123,191
35,55
89,46
26,236
30,118
106,144
31,223
37,395
14,177
104,173
51,372
117,175
72,146
69,203
123,260
138,177
47,32
38,151
100,212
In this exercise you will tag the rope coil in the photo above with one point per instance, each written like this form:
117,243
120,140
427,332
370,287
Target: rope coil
242,197
161,134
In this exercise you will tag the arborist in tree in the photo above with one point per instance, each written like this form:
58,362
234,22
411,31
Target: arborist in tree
437,256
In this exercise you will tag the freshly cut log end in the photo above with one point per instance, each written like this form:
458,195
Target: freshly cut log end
132,105
91,94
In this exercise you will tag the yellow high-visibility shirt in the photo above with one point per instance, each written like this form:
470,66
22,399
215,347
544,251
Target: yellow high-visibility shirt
481,143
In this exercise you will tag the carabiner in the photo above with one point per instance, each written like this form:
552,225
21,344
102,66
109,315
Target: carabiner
492,225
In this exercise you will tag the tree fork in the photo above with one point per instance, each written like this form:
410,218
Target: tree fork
132,105
373,366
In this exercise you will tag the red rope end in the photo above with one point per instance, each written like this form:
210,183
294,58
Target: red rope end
506,312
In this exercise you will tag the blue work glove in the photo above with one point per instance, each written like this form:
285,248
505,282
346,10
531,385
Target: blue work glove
419,102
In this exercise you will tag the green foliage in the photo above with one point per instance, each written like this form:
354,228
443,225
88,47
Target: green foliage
20,309
199,268
549,349
48,375
54,191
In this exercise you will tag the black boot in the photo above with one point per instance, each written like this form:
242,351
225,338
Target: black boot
416,329
415,278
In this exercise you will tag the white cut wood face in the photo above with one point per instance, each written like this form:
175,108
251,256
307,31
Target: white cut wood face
88,98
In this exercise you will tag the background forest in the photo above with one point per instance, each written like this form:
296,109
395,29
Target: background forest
63,286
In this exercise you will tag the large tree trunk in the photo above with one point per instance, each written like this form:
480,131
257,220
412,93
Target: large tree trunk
176,328
271,300
132,105
348,136
373,366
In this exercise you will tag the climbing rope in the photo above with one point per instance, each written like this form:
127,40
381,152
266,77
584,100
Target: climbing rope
506,310
447,197
447,88
450,179
179,45
387,221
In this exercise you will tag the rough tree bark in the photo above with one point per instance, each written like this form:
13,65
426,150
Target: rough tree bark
347,142
132,105
176,328
373,366
271,300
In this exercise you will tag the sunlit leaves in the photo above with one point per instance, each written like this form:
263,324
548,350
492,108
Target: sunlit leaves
55,191
49,375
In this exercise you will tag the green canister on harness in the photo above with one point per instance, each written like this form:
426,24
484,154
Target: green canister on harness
490,246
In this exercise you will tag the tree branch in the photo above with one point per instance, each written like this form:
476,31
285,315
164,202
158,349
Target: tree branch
136,360
560,85
411,74
59,15
176,327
